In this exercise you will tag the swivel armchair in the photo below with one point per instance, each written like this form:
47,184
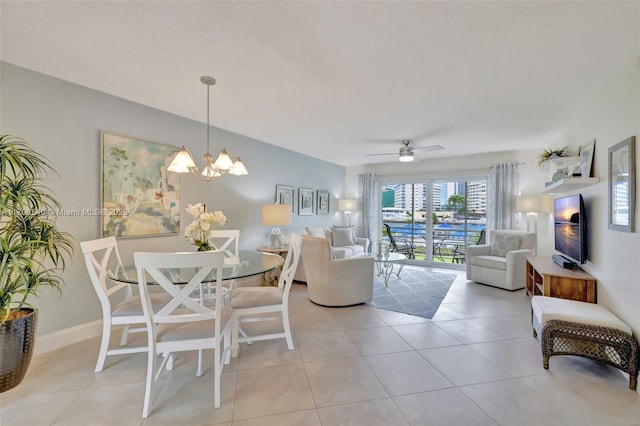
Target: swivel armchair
336,282
500,263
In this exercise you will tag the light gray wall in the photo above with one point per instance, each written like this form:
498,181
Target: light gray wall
63,121
611,115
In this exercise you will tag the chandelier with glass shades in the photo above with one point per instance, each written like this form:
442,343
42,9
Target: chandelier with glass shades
183,161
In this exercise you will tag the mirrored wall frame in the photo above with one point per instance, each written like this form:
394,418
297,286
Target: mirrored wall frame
622,185
305,202
285,194
322,202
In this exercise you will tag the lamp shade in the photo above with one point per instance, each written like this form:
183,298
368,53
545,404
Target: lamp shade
347,205
238,168
529,203
182,162
276,214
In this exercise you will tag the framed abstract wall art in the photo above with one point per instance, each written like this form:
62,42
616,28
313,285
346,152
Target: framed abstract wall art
305,201
322,202
139,197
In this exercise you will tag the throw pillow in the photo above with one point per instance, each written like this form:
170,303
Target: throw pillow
353,232
316,232
285,239
328,235
319,232
342,237
501,244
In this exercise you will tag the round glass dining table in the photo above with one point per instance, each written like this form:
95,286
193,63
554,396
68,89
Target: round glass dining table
251,263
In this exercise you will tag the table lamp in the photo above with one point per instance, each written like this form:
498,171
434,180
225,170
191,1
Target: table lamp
347,205
276,215
532,205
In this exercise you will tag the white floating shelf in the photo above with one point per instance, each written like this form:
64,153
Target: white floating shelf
570,184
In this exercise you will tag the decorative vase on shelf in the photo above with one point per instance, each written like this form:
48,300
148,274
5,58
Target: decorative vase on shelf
558,175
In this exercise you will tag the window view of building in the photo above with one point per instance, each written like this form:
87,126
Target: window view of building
444,215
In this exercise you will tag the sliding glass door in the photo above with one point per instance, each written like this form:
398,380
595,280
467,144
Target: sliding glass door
432,221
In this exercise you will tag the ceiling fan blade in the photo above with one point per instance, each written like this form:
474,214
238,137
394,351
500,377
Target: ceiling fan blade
429,148
388,153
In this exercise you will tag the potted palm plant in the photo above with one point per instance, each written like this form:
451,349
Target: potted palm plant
550,154
32,252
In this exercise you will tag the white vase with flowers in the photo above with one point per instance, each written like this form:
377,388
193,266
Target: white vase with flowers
197,232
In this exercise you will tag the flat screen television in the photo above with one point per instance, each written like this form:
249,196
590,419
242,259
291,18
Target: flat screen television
570,227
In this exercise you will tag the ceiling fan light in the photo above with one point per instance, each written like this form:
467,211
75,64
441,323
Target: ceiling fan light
406,157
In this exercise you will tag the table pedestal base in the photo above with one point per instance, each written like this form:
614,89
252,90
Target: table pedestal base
386,269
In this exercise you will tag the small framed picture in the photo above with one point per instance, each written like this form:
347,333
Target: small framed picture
305,201
285,195
322,202
586,158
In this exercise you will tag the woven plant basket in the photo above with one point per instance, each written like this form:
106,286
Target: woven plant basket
17,339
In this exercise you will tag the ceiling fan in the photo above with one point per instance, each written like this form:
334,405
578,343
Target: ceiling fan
406,153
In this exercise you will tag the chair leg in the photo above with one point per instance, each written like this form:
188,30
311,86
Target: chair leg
151,365
168,356
227,345
125,335
217,372
234,334
104,344
287,328
244,334
199,373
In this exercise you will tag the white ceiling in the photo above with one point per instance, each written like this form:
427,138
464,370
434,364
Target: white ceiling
337,80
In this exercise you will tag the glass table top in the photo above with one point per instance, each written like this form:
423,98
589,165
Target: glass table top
390,257
251,263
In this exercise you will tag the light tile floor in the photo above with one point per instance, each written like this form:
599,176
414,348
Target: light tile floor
474,363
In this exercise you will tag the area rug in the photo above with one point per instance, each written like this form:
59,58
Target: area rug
419,291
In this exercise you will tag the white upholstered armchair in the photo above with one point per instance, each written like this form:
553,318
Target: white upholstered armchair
336,282
501,262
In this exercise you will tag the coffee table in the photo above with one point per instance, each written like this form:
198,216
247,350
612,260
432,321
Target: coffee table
385,265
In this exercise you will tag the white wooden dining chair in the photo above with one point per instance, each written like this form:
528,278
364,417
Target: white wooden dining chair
248,301
226,240
99,255
183,324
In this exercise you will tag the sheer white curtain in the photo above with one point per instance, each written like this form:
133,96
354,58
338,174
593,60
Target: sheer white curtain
502,189
369,205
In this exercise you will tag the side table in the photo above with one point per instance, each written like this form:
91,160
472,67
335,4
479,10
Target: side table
384,264
272,278
281,251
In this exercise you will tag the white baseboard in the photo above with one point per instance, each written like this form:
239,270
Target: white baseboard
68,336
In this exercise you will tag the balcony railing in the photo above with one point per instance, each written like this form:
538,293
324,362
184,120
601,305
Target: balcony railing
447,242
